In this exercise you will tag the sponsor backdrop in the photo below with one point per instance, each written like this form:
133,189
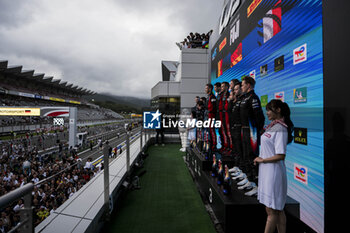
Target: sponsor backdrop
279,43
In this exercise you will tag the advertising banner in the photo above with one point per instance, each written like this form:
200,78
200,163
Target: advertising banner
279,43
56,99
73,102
19,111
55,111
29,95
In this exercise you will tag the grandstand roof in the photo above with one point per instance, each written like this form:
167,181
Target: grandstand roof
13,69
3,65
69,85
29,74
38,77
48,79
56,81
63,84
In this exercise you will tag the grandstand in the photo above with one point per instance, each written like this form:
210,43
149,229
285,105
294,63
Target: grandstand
25,88
33,150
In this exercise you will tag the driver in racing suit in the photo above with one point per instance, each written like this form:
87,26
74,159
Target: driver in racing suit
252,121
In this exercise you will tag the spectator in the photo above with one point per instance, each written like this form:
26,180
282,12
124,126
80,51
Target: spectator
79,163
99,142
3,227
205,42
26,167
115,151
35,178
91,145
18,206
209,33
194,109
185,44
42,213
88,164
195,40
20,163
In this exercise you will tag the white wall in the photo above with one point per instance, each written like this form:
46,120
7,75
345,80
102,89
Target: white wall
191,77
193,70
166,88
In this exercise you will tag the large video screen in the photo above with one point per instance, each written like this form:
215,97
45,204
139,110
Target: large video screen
279,43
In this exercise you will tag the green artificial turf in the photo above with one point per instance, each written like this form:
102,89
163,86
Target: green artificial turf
168,200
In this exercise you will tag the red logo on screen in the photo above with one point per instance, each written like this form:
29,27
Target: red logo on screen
220,68
300,173
236,55
252,7
300,52
222,44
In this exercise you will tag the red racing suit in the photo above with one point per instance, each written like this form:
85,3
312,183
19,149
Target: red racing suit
225,122
211,106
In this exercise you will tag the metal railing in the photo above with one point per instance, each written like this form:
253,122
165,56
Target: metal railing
26,224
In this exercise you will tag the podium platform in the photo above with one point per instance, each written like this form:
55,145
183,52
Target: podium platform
235,212
197,160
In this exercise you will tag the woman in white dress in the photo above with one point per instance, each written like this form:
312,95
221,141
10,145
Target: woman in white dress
272,188
192,131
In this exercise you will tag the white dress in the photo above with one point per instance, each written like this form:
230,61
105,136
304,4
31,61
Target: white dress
192,133
272,188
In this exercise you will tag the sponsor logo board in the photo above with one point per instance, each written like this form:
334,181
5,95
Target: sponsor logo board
263,70
264,100
279,95
300,54
300,136
279,63
19,111
252,74
300,95
301,173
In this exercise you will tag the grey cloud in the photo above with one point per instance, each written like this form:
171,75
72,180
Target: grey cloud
118,51
193,16
14,12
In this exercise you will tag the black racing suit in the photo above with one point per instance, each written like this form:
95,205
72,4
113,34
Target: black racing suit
235,123
252,120
200,136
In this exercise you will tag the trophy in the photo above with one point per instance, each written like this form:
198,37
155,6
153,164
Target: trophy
194,144
227,181
220,173
214,167
206,154
199,140
206,148
203,140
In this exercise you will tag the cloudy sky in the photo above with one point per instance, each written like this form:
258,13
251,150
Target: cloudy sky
110,46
